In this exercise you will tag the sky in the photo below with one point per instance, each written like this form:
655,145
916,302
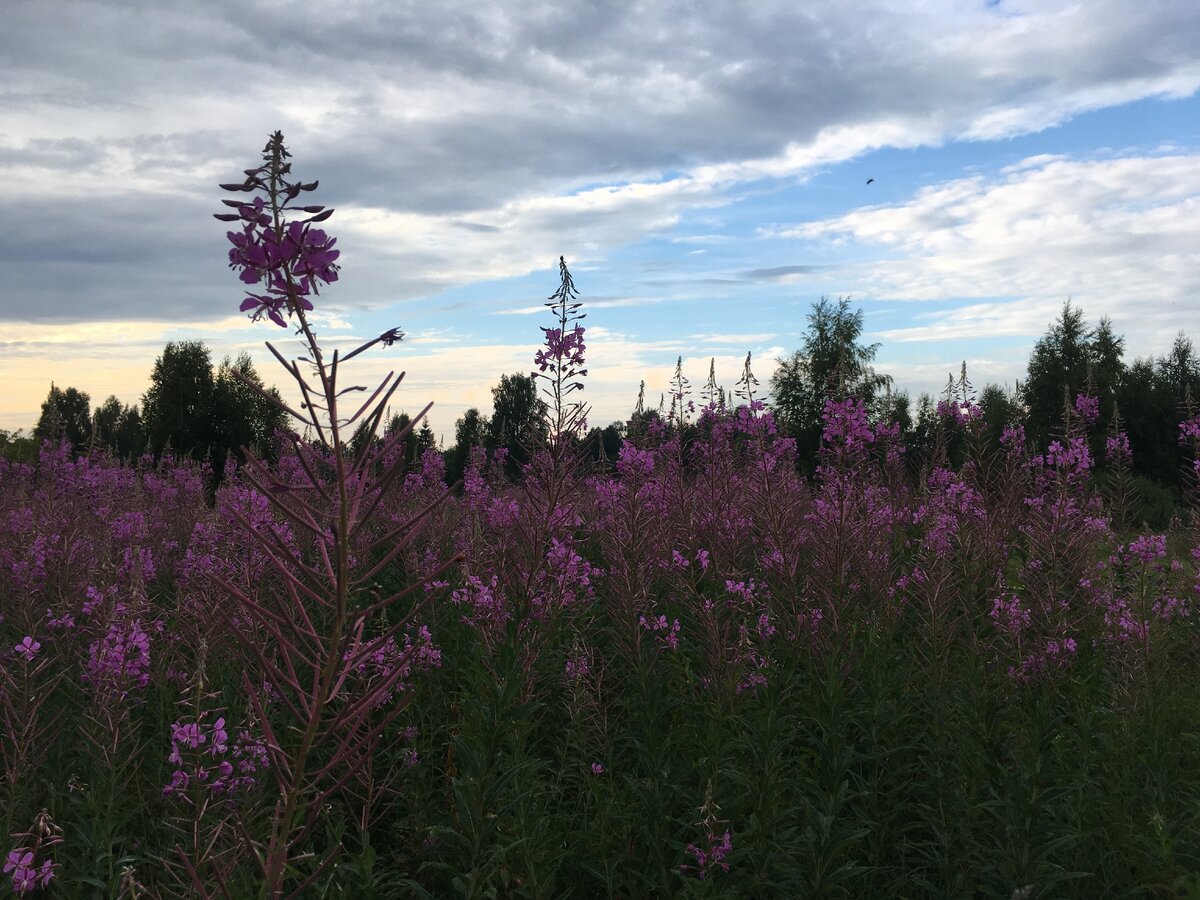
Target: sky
704,168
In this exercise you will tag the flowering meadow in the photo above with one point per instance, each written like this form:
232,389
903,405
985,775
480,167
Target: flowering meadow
697,674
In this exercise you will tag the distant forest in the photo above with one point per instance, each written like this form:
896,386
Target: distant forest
211,412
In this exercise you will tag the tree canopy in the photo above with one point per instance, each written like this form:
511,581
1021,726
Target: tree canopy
201,412
518,417
832,363
65,414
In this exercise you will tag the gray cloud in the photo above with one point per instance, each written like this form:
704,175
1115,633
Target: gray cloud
119,117
478,227
779,273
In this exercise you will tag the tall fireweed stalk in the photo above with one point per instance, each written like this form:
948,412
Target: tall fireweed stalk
525,571
328,620
561,362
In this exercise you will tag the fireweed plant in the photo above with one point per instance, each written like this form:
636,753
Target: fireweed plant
938,668
335,666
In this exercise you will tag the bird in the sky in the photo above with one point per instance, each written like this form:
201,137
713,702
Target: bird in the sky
870,180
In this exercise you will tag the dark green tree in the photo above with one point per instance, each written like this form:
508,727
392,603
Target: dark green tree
65,414
106,421
926,433
1068,360
832,363
518,418
399,422
16,446
178,409
1151,396
1179,371
470,431
131,437
241,415
424,439
1106,357
895,406
1000,410
641,418
603,445
358,440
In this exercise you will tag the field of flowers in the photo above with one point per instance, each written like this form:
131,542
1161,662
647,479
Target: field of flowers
698,675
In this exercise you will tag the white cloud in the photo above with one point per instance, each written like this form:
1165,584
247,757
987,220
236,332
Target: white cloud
745,340
465,141
1118,235
520,311
468,142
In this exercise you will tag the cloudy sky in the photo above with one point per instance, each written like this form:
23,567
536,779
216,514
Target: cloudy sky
703,167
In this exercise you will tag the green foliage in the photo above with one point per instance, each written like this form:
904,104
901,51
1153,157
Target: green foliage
424,439
897,407
198,412
66,414
106,421
1179,371
118,429
1153,506
241,415
131,436
1000,410
470,431
603,445
1058,370
518,417
177,410
832,363
16,446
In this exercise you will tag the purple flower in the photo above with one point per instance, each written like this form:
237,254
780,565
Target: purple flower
1189,430
669,636
1008,613
1146,548
64,622
577,666
1074,460
18,859
314,254
1117,450
220,738
248,255
1013,439
120,661
633,462
237,761
255,213
714,856
25,877
597,769
291,260
28,648
1088,408
962,413
561,349
846,424
179,781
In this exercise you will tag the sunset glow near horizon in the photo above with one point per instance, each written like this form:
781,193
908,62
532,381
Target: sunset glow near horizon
704,173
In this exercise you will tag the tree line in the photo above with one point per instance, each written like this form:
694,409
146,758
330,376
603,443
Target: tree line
192,409
1145,398
209,412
